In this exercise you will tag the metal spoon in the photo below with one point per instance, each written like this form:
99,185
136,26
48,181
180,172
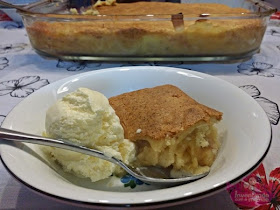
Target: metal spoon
20,8
151,175
70,4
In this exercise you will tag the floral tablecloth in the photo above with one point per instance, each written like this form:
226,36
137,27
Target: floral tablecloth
22,72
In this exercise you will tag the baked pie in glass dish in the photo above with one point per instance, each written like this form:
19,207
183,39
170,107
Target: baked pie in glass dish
148,31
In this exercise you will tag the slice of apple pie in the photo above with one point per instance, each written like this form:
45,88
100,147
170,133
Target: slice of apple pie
169,128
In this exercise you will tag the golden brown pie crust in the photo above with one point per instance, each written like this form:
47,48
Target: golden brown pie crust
160,112
144,8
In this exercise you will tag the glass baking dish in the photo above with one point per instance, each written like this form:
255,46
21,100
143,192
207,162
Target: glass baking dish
197,33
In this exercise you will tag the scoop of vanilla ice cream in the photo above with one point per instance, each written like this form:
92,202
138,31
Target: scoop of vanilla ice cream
86,117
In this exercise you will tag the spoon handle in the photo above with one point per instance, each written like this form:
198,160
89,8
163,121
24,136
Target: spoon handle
6,4
11,135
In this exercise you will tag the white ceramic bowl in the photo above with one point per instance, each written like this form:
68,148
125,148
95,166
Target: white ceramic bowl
244,145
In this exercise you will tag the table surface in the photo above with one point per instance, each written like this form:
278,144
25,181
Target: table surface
18,60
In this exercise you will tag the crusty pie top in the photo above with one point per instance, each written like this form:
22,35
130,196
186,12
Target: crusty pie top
138,8
159,112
